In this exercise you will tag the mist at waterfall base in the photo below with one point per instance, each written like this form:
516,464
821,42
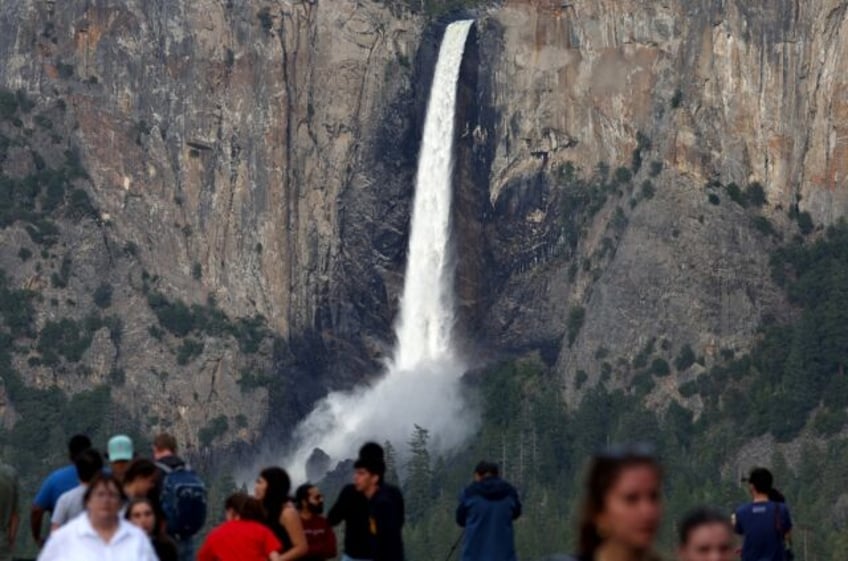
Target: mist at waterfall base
422,382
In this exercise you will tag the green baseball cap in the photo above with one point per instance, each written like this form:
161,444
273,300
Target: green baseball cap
120,448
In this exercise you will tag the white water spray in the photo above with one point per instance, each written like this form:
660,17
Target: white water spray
421,385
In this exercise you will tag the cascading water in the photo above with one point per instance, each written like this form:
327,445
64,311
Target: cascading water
421,385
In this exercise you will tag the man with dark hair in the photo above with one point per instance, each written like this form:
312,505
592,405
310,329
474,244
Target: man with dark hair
353,509
89,464
182,495
385,504
57,483
486,510
764,524
319,534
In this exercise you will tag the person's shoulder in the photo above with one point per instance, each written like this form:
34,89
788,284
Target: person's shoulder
60,474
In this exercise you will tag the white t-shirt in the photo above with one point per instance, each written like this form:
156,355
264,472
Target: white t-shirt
69,506
77,541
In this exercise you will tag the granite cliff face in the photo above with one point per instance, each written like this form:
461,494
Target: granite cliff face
260,156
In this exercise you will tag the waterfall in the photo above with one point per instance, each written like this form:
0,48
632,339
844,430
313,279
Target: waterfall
421,382
425,327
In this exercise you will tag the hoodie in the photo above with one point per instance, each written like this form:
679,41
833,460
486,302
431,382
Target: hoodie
486,510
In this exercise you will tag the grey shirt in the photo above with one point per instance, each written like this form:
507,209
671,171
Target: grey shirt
9,493
69,506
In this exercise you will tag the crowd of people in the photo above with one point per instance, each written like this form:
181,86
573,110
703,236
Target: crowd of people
130,508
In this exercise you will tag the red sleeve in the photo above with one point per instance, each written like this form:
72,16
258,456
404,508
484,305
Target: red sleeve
272,544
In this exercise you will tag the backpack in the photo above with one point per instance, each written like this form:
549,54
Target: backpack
183,501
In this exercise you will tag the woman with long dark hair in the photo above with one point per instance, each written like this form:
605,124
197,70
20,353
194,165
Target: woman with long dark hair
622,507
142,513
272,489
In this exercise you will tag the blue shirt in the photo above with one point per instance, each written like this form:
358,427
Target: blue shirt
60,481
764,526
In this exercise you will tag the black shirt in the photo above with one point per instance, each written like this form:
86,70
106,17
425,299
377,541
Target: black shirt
352,508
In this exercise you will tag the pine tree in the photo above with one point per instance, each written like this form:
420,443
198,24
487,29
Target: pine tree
419,474
391,464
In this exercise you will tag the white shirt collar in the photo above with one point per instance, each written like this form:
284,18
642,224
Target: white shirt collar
85,529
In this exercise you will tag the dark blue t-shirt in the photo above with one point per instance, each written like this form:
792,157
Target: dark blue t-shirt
764,526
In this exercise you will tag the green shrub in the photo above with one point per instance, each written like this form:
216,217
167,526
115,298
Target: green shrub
623,175
189,350
805,222
66,337
576,318
24,254
714,199
648,190
103,295
8,104
685,358
756,194
215,429
676,99
763,225
660,368
736,195
581,378
197,271
655,169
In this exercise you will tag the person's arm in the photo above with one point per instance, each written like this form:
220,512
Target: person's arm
516,507
338,511
36,518
461,511
44,502
290,520
14,519
331,548
54,549
59,516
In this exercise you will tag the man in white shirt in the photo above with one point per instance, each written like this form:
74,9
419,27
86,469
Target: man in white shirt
89,464
99,534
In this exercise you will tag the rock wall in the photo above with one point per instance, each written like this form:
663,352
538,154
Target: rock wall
263,154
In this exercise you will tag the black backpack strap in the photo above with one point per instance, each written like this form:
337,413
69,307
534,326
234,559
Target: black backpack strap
164,467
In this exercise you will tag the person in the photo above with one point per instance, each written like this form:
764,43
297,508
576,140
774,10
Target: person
120,453
705,535
100,533
281,517
142,513
351,507
486,510
622,506
182,495
320,537
764,524
385,505
89,464
58,482
9,519
140,479
243,537
354,509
